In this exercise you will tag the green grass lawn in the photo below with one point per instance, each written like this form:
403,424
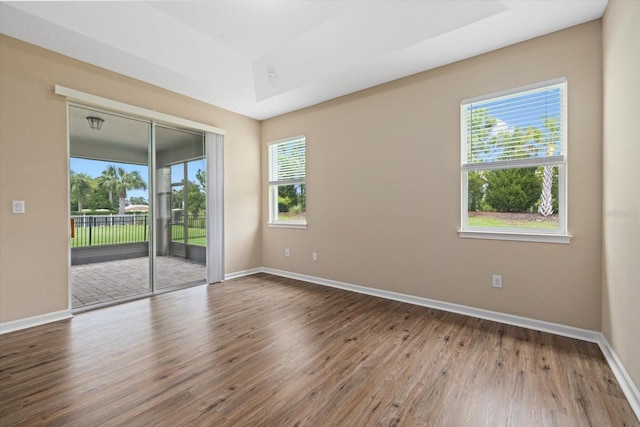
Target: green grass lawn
110,235
197,236
200,241
494,222
288,216
118,234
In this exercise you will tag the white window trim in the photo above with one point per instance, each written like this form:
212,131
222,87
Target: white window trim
273,204
285,224
487,234
541,235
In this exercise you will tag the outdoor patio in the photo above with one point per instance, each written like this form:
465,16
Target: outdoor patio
103,282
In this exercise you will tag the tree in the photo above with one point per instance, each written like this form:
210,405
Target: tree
138,200
177,199
126,181
108,181
475,190
80,187
482,139
546,206
196,199
512,190
98,199
201,176
287,197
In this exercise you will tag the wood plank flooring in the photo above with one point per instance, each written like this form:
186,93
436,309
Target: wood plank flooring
269,351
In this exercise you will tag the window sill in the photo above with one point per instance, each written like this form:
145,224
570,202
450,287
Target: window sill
287,225
515,236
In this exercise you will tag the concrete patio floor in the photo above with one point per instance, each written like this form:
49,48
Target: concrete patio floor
104,282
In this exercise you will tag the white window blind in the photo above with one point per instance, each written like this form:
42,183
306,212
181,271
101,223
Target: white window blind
287,161
525,128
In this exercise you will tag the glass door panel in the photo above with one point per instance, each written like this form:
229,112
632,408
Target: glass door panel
180,192
109,184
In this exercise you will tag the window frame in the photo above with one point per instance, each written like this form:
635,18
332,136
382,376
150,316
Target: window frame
559,235
273,185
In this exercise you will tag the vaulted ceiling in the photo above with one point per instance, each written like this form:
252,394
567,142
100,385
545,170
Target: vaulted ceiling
263,58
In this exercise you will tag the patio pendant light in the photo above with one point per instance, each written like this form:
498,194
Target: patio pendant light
95,123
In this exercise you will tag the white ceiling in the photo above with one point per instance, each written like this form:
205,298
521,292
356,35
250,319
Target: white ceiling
124,139
263,58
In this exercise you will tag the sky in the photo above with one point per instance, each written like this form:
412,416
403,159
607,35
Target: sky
524,110
528,109
94,169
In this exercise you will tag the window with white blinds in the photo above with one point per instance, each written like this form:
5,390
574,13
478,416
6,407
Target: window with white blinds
513,158
287,161
287,182
526,127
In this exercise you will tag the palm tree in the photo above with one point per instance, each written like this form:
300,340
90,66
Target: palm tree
109,180
126,181
552,137
80,187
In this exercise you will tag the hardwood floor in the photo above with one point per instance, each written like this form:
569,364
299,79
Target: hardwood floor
269,351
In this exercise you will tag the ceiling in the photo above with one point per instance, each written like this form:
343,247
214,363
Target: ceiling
263,58
126,140
115,129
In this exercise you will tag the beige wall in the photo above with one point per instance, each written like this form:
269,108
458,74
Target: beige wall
383,176
34,263
621,200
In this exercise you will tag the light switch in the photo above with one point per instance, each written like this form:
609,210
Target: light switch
18,206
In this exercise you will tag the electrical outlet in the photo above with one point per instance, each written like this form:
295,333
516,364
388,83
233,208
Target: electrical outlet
17,206
286,252
496,281
314,256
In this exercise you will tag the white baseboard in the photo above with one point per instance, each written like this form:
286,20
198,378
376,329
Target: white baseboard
509,319
626,384
29,322
243,273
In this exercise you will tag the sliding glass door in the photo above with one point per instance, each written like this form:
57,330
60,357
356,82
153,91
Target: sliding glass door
109,181
138,194
181,226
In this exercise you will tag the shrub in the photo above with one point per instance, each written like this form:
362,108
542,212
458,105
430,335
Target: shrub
94,213
512,190
475,190
283,204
